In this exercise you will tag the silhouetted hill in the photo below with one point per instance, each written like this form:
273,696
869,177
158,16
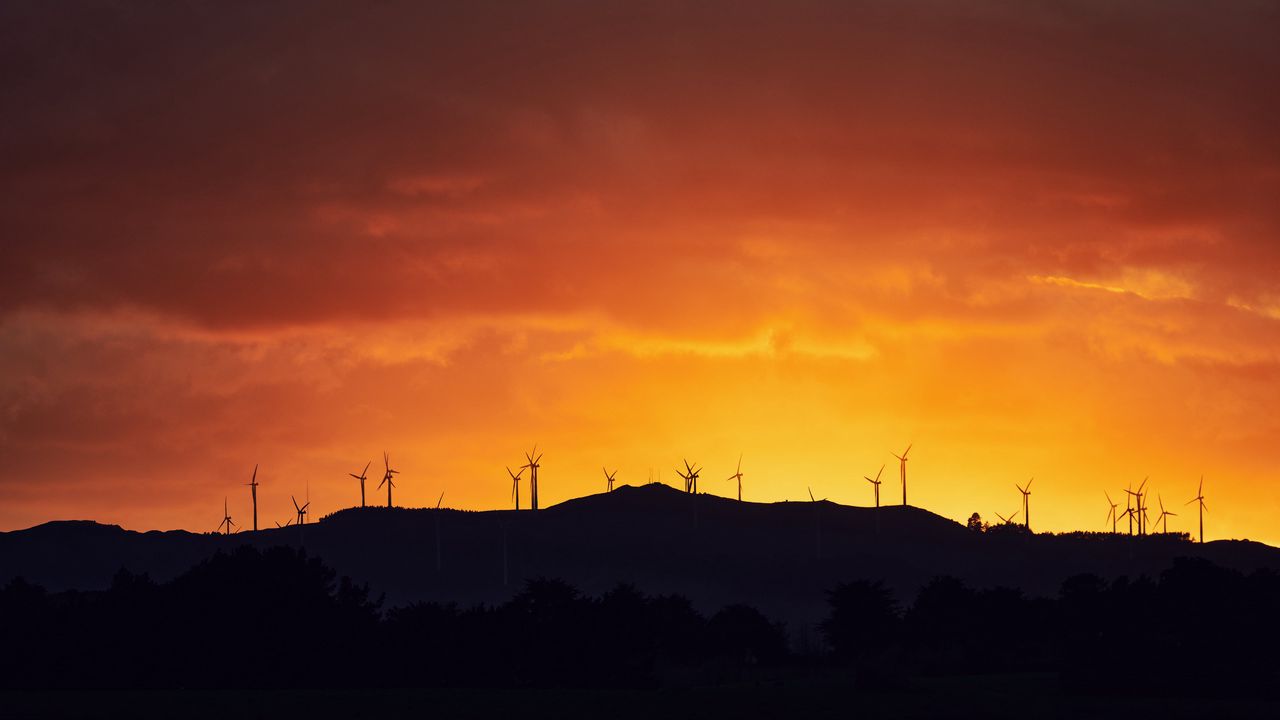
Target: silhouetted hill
780,557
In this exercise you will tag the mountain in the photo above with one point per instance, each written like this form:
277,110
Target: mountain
780,557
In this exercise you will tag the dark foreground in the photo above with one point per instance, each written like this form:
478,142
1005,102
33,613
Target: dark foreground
776,696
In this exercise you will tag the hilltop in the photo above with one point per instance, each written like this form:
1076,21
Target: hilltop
780,557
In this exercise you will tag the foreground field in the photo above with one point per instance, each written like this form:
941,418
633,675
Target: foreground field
1017,696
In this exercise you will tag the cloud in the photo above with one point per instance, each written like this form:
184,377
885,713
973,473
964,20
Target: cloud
300,232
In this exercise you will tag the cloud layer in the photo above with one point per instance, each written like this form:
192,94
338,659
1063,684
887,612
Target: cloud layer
1034,238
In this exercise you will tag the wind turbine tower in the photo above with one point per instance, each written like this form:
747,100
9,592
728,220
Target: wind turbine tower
690,477
876,484
1199,498
515,485
226,518
1026,502
253,490
1164,515
534,459
1111,514
364,475
386,477
902,472
302,510
738,476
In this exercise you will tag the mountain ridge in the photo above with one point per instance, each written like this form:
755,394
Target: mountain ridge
781,556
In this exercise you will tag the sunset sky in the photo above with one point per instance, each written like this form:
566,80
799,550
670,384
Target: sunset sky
1033,239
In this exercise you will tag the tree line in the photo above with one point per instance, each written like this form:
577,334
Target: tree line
278,618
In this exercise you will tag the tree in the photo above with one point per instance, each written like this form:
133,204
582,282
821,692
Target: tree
975,523
863,620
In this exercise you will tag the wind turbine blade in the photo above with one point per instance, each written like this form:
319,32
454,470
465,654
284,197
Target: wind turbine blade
810,495
366,467
906,452
739,470
440,500
255,473
881,471
295,503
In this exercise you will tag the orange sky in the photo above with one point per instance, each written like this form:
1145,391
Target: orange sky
1032,239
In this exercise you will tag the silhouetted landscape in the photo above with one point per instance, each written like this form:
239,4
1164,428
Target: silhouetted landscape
642,590
435,359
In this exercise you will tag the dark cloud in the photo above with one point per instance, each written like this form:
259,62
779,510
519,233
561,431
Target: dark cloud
257,164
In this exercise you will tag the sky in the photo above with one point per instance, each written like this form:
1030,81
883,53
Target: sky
1032,239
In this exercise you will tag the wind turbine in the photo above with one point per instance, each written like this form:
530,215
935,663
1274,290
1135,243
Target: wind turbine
226,518
533,475
738,476
1142,508
253,490
362,477
1200,499
1164,515
1026,502
608,478
302,511
902,471
1111,514
386,477
690,477
286,524
1128,505
876,484
515,485
1130,510
1007,520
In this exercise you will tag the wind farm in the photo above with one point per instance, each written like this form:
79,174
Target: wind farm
784,556
1135,513
644,291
